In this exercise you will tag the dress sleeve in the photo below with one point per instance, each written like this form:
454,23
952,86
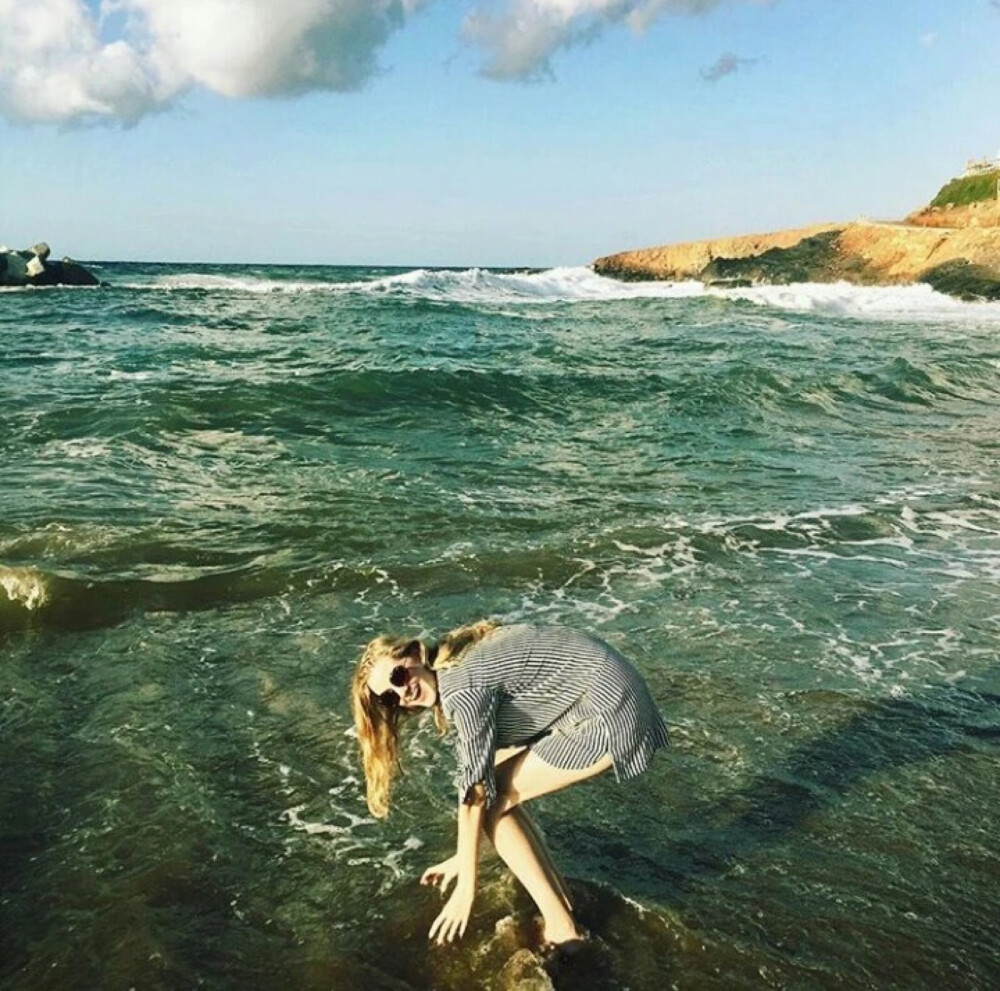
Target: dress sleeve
474,713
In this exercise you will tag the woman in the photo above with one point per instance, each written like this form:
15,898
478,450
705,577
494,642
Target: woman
535,709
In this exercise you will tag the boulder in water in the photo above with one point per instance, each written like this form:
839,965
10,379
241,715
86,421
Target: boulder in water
66,273
32,267
524,972
13,269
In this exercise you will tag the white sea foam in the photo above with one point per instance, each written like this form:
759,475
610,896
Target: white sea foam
143,376
820,545
913,303
78,448
473,285
25,587
56,288
229,283
477,285
482,286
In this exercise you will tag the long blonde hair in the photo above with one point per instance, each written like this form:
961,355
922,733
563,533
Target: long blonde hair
378,725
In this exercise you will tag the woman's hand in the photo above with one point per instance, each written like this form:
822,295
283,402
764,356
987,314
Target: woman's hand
441,875
464,867
454,917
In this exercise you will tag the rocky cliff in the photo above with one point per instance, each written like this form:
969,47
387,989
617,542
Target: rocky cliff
985,213
961,258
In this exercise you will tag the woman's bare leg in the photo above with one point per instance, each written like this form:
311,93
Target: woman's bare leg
517,850
519,780
542,850
534,835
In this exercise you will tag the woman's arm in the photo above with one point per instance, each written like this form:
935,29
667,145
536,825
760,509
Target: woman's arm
454,916
473,712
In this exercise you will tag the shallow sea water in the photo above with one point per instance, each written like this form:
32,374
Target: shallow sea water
783,504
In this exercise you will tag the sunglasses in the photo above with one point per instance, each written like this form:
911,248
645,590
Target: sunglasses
399,676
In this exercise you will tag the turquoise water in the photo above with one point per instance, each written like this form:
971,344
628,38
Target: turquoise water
783,504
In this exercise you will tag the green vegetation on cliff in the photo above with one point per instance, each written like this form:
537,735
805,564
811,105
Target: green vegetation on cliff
968,189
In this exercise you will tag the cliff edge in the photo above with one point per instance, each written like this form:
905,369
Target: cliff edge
953,247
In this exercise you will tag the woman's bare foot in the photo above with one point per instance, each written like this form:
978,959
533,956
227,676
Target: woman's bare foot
561,936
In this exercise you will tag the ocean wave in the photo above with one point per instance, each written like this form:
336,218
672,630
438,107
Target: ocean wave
473,285
552,396
580,284
568,284
913,529
55,288
32,597
182,281
597,576
914,303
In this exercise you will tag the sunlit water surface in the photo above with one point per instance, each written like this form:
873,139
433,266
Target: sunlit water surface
783,504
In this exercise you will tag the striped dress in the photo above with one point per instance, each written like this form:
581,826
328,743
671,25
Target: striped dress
568,696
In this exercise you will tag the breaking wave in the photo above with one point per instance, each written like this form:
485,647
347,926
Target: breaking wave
482,286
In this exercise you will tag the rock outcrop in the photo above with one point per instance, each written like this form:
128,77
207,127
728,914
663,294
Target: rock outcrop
33,267
985,213
953,246
961,261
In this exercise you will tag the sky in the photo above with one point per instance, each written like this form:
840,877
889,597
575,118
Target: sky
476,132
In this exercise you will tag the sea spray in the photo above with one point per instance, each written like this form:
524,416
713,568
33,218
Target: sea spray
24,588
578,285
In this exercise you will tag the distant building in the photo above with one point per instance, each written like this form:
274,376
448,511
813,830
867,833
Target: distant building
980,166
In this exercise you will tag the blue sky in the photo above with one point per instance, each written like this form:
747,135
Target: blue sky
489,146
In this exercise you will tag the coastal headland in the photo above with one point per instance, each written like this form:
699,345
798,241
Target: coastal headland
951,244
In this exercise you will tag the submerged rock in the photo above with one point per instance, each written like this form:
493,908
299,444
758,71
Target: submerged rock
523,971
965,280
32,267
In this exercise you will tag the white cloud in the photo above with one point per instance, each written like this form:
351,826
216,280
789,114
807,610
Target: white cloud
58,66
520,37
267,48
54,67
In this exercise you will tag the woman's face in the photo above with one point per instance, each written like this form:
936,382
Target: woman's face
413,685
